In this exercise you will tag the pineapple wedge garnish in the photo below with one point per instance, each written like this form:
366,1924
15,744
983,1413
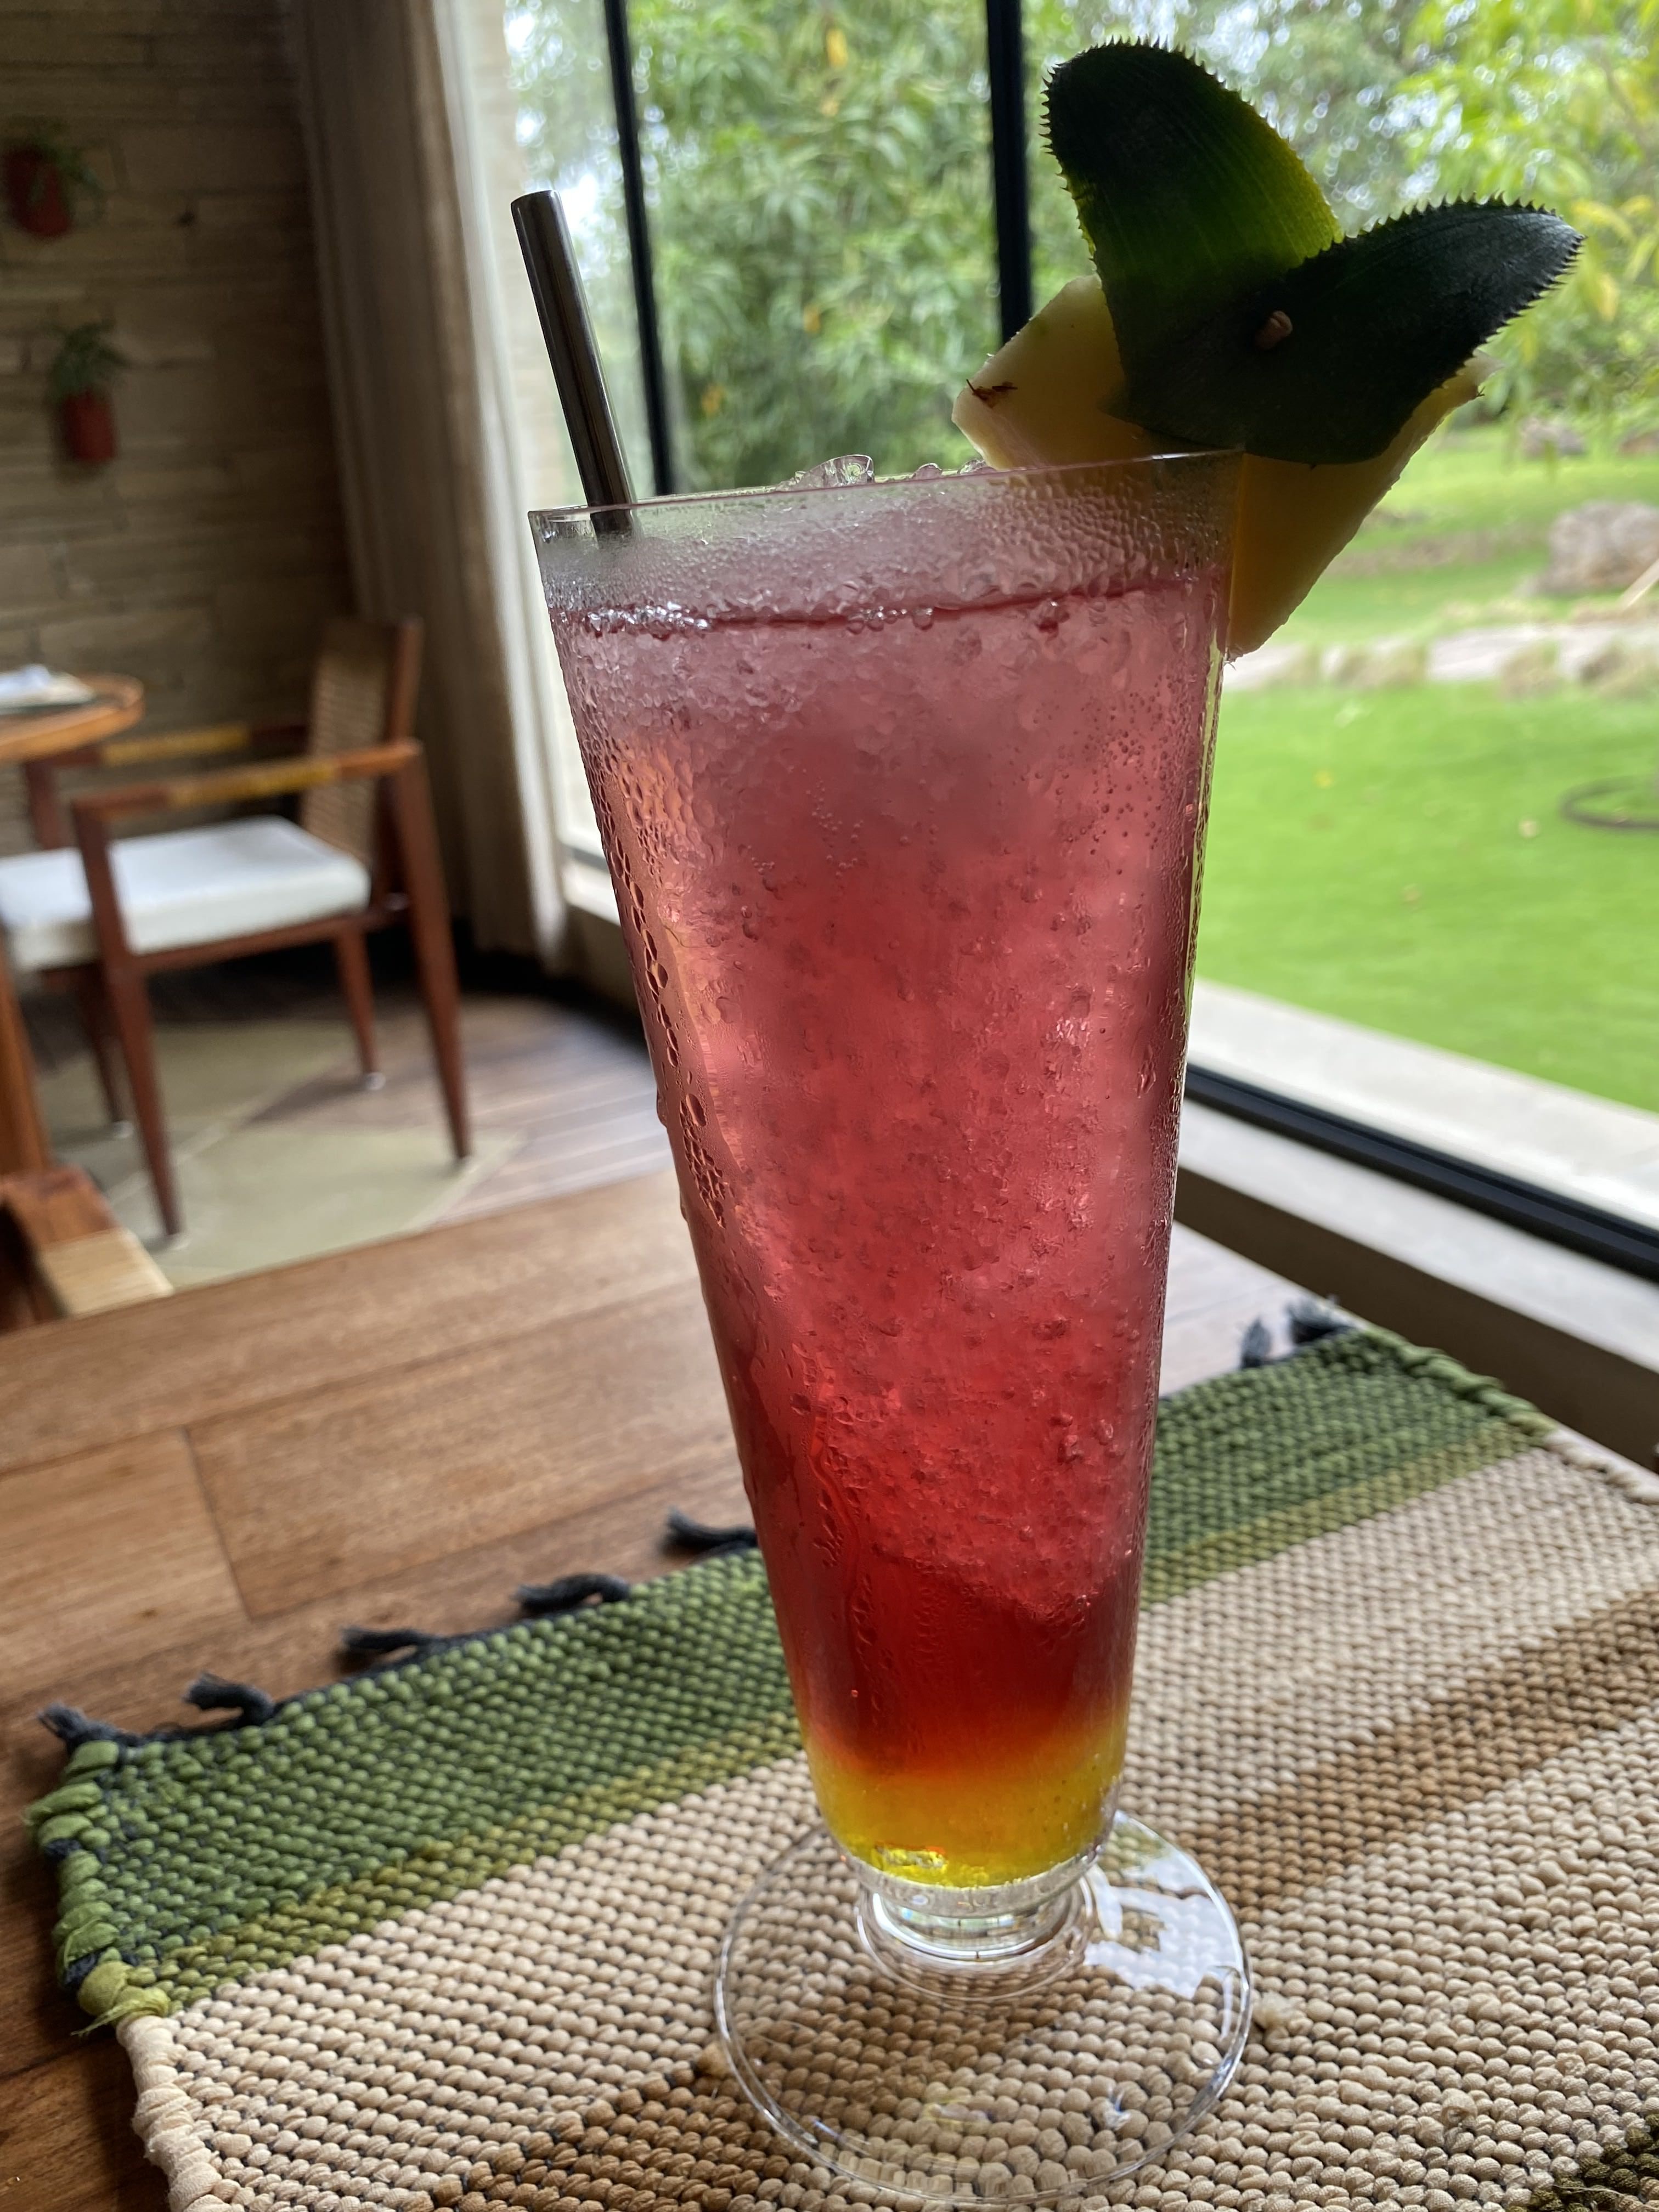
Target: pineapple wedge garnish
1230,313
1045,398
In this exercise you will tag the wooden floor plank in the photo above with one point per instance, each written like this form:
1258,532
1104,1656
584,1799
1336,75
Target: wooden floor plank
525,1064
241,1344
1214,1295
552,1165
101,1555
68,2143
39,2020
318,1492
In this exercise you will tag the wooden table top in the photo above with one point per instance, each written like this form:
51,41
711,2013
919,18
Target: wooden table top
398,1435
117,703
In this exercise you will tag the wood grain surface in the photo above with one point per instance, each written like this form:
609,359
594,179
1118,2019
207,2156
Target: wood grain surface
395,1436
295,1332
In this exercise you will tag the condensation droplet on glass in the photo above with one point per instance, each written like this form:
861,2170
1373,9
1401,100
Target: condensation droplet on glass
922,617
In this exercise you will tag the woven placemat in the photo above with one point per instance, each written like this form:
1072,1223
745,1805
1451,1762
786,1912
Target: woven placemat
443,1934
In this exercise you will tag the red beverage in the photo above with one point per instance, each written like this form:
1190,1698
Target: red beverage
909,881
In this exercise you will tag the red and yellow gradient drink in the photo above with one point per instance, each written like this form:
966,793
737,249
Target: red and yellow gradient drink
903,789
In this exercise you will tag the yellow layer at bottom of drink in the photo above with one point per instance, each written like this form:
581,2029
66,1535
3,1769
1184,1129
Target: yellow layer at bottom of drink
1000,1814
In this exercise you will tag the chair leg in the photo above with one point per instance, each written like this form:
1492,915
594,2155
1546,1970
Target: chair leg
351,958
435,962
129,1002
435,950
88,987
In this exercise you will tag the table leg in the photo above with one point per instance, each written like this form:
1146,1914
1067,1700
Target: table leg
23,1143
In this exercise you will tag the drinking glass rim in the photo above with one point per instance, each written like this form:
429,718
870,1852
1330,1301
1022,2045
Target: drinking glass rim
1046,472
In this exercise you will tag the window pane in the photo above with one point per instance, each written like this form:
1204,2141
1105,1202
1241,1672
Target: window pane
821,224
1391,844
567,136
1390,840
819,189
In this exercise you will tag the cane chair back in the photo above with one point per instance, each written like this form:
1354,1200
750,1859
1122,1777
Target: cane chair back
363,694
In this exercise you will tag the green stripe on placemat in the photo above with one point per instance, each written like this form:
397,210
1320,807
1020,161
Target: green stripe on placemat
199,1860
189,1862
1251,1463
1626,2177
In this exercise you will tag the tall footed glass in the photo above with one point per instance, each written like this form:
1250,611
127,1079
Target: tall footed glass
903,787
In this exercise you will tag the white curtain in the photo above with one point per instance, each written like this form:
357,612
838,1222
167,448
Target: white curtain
408,117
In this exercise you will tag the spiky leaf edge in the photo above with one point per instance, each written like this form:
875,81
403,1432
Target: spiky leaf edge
1216,384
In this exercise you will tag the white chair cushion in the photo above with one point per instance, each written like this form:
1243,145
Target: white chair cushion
183,887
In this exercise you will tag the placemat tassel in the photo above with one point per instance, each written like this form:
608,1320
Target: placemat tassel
381,1642
1310,1321
73,1728
542,1600
1255,1346
211,1693
692,1536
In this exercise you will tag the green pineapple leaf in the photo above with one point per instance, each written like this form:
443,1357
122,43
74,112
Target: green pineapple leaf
1327,361
1242,317
1186,197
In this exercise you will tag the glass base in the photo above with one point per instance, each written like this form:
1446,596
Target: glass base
1039,2051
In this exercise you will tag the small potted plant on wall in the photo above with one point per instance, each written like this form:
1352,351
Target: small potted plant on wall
78,384
48,180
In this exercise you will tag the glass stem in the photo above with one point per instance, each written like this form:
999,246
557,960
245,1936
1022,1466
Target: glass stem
1007,1927
971,1938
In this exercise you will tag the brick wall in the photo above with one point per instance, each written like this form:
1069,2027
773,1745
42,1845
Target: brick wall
204,559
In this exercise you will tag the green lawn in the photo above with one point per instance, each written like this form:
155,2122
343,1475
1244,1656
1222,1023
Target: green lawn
1475,480
1348,609
1368,859
1367,853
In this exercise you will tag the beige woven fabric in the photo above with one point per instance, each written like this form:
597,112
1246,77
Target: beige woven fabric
1420,1755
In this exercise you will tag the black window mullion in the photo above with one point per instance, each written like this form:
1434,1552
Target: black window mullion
1004,56
639,245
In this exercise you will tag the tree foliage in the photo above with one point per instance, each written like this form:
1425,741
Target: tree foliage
1558,100
819,180
822,221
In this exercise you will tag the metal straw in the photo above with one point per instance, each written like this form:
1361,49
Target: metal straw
555,286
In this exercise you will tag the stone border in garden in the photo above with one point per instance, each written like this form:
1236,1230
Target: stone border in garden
1521,658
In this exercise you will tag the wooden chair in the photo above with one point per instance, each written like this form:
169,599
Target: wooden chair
98,916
